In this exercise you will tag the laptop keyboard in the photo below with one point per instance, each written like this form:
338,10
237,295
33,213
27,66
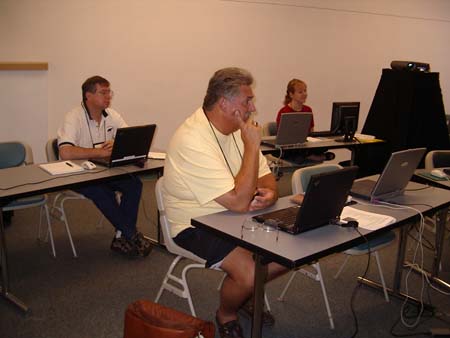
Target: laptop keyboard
289,146
283,217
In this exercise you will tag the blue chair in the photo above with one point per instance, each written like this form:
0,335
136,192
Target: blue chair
14,154
57,209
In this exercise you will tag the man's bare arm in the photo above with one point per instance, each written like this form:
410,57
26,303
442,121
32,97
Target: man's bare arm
69,152
266,193
246,181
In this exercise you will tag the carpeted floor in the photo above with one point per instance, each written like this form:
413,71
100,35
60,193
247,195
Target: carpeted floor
87,296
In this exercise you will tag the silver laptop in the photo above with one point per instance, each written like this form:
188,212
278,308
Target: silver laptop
394,178
293,130
131,146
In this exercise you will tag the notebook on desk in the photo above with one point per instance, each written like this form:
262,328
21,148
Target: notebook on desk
293,130
131,146
323,202
394,178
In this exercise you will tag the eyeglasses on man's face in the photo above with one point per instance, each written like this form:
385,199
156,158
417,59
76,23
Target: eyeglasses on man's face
105,92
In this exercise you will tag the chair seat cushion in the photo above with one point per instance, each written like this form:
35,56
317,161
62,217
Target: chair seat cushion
375,244
26,202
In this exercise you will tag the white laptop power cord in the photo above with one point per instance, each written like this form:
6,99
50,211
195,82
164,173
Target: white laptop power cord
418,251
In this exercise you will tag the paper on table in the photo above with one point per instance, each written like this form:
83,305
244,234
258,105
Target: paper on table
314,139
156,156
60,168
367,220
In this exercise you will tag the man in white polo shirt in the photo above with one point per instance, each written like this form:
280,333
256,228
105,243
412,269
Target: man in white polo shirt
88,131
214,163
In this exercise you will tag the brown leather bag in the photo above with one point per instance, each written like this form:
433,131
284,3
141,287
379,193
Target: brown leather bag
145,319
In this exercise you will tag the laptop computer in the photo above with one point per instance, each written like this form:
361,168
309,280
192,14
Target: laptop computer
323,202
293,130
131,146
394,178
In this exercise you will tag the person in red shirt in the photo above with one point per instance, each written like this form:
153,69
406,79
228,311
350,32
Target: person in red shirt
294,101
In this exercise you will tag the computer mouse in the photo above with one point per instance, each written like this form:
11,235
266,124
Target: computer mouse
88,165
438,173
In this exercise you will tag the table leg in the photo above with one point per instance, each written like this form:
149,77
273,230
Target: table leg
400,258
352,155
433,276
4,288
258,296
395,291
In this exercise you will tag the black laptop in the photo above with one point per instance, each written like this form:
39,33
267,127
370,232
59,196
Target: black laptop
324,200
394,178
131,146
293,131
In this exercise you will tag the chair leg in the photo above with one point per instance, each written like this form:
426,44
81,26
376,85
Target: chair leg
221,282
324,292
281,297
342,267
380,271
49,228
100,222
183,289
318,278
266,300
166,277
187,292
64,219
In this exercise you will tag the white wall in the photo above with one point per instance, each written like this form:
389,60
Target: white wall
160,54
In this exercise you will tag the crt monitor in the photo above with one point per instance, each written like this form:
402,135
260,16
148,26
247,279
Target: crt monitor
344,119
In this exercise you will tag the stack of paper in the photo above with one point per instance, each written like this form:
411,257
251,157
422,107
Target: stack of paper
364,136
314,139
367,220
156,156
60,168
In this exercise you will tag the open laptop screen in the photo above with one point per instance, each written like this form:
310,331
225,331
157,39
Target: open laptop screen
131,145
293,129
394,178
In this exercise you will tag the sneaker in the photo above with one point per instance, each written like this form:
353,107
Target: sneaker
143,245
124,247
267,318
230,329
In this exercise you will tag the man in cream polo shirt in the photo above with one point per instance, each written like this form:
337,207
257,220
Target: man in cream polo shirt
214,163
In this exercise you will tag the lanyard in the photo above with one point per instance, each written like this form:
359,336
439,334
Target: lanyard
87,115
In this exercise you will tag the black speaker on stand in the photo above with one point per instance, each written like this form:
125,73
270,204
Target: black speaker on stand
407,112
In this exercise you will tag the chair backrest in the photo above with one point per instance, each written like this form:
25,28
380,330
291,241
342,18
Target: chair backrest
12,154
171,246
437,159
51,150
301,177
269,129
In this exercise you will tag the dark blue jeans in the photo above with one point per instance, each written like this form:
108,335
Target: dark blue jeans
123,216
